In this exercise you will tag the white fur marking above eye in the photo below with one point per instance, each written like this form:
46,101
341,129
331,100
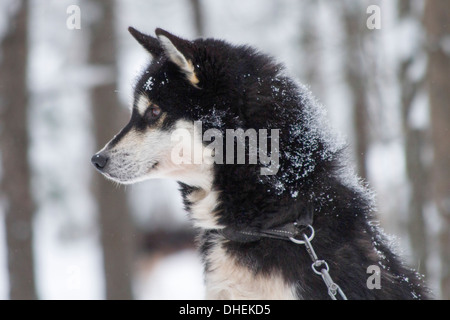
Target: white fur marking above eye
142,105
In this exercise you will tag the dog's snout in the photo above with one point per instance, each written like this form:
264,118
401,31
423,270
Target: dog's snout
99,160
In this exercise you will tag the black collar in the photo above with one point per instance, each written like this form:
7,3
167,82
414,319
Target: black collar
290,231
282,232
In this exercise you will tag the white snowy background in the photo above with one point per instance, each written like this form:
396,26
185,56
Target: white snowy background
66,237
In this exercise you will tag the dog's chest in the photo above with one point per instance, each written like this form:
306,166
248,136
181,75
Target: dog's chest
227,279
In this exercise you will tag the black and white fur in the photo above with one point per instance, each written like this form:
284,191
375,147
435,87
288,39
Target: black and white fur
230,87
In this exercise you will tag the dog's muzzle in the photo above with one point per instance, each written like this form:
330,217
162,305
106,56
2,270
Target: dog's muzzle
99,160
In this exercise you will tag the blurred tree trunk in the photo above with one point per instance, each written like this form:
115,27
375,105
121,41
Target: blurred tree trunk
14,141
415,143
437,23
198,17
115,220
309,46
355,29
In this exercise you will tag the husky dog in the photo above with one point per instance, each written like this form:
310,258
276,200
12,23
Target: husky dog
250,221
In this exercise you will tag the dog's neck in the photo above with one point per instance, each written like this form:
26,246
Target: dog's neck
200,197
202,204
217,200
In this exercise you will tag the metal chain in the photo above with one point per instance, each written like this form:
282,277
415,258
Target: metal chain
320,267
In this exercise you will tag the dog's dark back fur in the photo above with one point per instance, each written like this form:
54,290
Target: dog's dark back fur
242,88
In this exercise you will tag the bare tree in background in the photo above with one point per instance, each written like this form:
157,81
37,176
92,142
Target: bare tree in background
415,142
355,30
437,24
198,17
115,219
309,44
14,151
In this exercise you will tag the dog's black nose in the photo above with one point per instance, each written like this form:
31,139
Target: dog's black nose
99,160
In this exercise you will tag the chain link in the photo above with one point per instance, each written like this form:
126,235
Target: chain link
320,267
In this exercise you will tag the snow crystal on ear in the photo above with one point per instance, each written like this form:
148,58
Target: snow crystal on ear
149,84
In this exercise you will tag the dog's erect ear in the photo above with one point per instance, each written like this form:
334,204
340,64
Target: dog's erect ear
179,51
151,44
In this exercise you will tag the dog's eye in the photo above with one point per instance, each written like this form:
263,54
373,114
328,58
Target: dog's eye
152,113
